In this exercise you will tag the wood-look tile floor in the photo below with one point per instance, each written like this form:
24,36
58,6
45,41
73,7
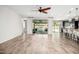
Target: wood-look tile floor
40,44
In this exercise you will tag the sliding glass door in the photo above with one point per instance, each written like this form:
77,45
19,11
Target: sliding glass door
40,26
56,26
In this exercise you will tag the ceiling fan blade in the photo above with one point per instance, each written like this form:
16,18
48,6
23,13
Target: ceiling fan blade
46,8
45,12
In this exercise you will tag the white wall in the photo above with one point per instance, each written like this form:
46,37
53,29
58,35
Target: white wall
10,24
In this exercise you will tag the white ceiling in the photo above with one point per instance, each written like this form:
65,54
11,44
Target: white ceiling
56,11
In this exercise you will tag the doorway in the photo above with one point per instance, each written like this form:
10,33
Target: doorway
40,26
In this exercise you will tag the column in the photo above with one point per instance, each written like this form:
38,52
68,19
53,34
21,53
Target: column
49,26
29,26
25,26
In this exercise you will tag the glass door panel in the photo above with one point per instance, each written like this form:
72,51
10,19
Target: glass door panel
40,26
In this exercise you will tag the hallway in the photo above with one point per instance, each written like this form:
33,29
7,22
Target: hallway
40,44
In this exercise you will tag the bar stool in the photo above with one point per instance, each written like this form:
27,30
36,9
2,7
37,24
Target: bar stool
66,34
70,34
75,36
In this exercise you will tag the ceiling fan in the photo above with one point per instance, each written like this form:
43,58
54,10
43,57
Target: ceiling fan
43,10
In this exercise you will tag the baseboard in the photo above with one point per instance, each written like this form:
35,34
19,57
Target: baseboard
11,38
